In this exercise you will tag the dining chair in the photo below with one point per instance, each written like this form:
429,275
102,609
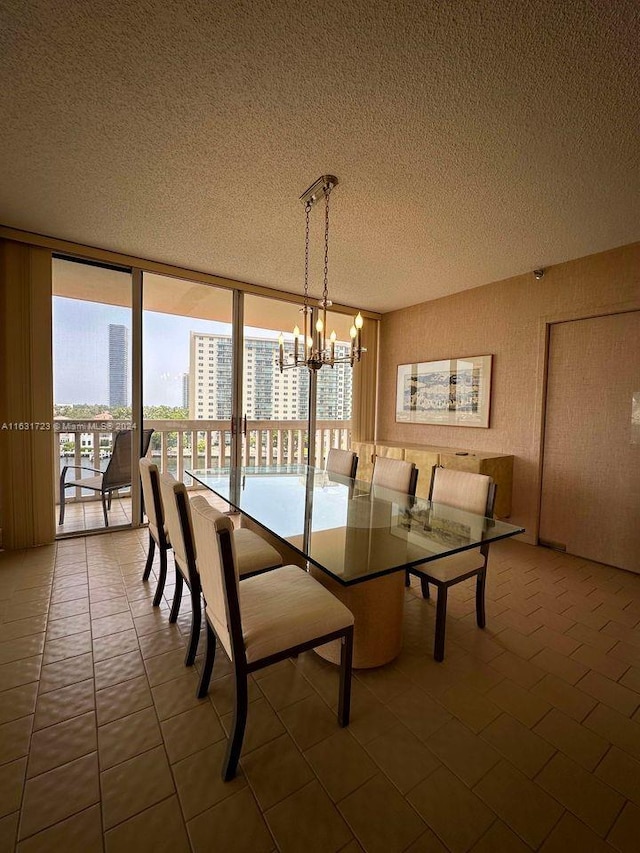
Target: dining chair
254,555
117,474
395,474
158,533
343,462
398,475
474,493
262,620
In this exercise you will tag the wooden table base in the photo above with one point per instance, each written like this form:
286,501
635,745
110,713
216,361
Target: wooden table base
377,608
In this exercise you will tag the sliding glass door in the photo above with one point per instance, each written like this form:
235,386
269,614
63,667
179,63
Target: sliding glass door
274,423
187,373
92,323
208,396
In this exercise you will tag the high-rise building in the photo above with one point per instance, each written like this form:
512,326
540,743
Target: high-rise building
118,352
268,394
185,390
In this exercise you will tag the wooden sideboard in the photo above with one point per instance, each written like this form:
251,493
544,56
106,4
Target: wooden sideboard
496,465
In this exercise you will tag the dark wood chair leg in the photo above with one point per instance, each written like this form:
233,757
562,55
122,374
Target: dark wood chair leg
480,586
196,621
234,747
150,555
424,585
441,623
209,660
407,579
177,597
346,660
104,509
162,577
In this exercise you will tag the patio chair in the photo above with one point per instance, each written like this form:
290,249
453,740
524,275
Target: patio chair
158,533
470,492
262,620
117,474
343,462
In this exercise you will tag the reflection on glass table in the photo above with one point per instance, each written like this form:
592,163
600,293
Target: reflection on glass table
357,538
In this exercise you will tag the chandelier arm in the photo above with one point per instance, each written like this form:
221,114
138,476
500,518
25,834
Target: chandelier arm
316,353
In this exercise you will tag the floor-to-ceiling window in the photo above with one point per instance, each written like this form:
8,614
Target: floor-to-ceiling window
92,382
275,405
187,373
334,393
211,397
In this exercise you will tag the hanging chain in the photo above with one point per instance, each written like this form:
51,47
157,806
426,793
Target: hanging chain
307,210
325,292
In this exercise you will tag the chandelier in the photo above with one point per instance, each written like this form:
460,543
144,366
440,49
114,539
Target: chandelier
311,347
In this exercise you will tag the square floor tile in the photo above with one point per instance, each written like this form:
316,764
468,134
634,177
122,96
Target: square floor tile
463,752
159,828
117,701
62,704
199,780
127,737
61,743
11,782
341,764
575,740
441,799
523,806
403,758
307,820
59,793
134,785
592,801
77,834
235,823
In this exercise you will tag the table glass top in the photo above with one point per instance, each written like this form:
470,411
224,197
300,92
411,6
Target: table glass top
349,528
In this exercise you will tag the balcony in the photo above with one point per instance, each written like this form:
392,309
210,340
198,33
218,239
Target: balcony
266,443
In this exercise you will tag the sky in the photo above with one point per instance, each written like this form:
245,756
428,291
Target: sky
81,351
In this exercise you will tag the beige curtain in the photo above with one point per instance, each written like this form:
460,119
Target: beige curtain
26,397
365,381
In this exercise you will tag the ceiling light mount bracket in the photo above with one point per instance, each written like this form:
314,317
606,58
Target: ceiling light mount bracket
319,189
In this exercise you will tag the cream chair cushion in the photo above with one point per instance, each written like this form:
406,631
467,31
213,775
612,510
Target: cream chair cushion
282,609
454,566
253,554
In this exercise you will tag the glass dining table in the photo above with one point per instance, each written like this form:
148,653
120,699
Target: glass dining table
356,538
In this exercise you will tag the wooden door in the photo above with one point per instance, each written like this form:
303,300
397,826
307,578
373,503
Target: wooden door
591,468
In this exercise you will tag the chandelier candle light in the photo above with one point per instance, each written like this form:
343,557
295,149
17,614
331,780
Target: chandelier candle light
311,349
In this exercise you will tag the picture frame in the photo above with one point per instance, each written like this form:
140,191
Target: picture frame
450,392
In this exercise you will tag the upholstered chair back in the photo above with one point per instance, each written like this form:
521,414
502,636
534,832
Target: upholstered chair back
463,490
180,533
343,462
395,474
150,477
208,525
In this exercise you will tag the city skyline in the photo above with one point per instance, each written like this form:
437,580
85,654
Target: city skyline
81,337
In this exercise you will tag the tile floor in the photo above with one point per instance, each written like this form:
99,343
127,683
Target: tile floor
526,737
80,516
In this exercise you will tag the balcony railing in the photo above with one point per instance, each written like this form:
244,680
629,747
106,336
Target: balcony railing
265,443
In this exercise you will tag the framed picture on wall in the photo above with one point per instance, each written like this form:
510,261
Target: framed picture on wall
453,392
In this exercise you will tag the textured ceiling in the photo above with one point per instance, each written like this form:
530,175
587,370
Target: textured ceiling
473,140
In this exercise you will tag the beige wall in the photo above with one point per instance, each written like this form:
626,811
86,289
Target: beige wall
508,319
